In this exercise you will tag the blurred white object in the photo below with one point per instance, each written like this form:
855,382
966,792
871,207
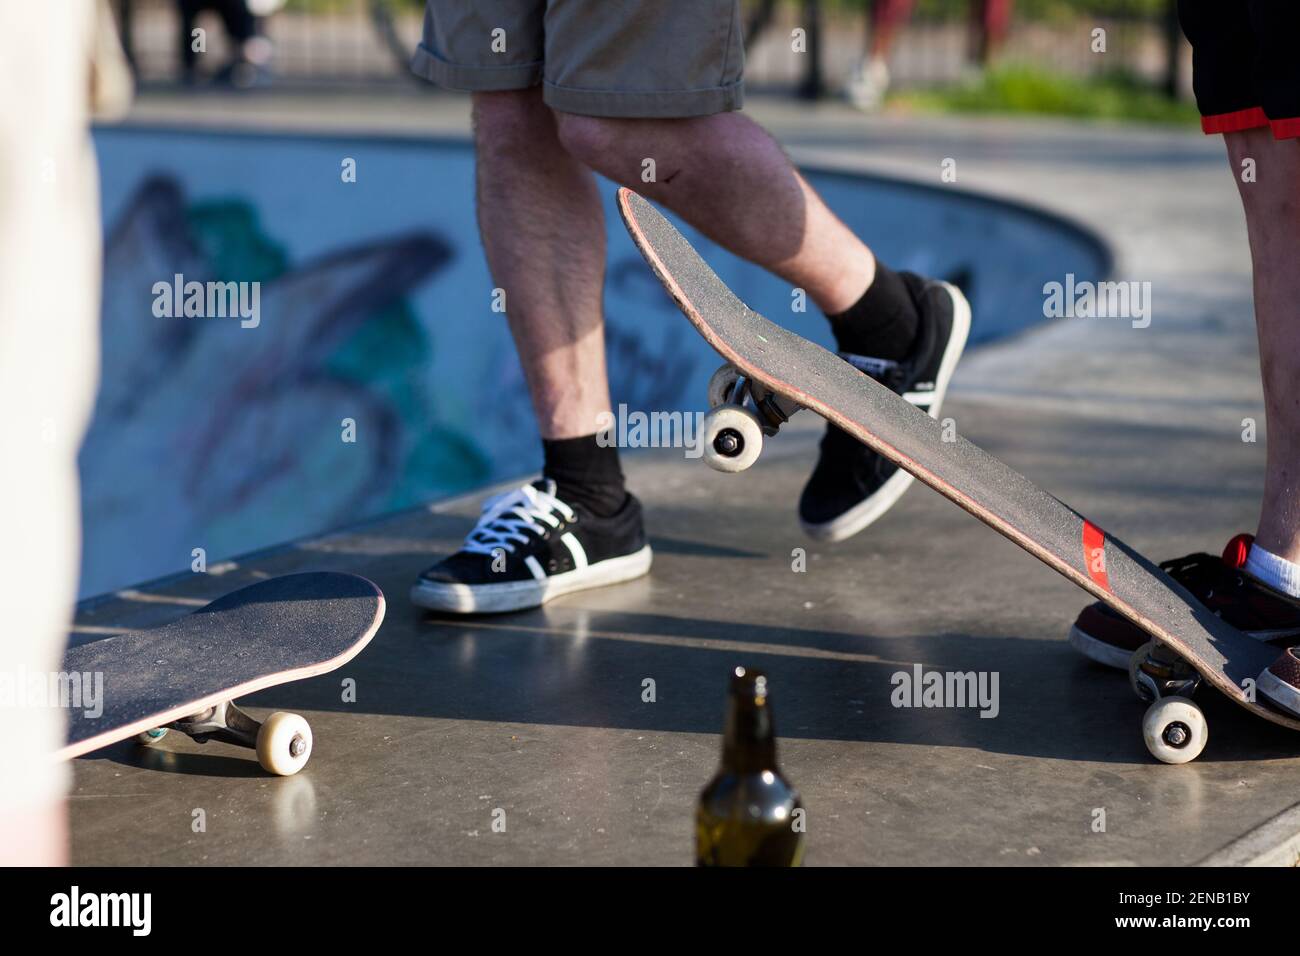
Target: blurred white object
111,83
867,86
49,367
264,8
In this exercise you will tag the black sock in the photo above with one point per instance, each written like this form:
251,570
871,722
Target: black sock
585,473
881,324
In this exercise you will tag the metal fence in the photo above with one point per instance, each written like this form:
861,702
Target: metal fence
357,41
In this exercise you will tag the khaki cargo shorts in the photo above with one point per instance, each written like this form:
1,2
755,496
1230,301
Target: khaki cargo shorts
624,58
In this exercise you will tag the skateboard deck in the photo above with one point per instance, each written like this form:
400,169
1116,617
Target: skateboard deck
186,674
811,377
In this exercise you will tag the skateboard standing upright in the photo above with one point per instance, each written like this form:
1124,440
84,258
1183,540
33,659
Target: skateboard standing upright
186,675
771,373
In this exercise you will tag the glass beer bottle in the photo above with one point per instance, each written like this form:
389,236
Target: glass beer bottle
747,814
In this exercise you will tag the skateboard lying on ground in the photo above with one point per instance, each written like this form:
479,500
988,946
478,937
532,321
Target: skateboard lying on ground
186,675
772,373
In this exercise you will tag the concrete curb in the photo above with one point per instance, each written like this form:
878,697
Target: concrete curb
1274,843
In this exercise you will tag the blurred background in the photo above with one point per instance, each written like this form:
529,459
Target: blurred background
967,55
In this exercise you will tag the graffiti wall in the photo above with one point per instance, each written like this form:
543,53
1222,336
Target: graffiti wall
377,375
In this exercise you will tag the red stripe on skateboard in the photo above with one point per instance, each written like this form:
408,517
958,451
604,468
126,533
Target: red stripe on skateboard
1094,554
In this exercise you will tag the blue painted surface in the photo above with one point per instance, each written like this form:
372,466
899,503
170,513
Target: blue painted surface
377,307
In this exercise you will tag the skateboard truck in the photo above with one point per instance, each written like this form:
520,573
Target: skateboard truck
741,413
1155,671
282,742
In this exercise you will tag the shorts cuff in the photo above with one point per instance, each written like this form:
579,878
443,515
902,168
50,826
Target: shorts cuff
474,79
1286,128
667,104
1253,118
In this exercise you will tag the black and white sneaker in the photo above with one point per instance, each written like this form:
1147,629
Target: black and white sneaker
528,547
852,486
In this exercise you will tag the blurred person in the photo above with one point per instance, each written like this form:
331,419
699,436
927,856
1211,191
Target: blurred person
65,58
250,59
1247,83
869,81
564,89
989,23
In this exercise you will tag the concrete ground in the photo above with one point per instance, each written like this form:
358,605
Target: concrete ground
541,715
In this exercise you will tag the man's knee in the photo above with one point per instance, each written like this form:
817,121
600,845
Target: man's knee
512,120
592,140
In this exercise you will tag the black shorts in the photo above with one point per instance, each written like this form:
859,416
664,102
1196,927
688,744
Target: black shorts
1245,63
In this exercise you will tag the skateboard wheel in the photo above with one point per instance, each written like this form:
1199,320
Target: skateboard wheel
283,744
733,438
152,735
1174,729
721,383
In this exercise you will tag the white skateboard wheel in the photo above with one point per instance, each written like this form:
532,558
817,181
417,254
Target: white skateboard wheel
284,744
733,438
721,383
1174,729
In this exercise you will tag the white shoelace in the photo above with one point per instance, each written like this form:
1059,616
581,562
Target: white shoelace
507,516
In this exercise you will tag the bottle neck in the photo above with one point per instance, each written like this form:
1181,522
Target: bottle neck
749,745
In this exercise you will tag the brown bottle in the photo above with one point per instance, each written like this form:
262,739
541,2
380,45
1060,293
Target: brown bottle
747,814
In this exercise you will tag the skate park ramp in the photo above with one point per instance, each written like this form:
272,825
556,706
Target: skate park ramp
380,372
542,717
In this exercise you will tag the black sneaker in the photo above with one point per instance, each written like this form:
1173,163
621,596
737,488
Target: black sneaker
1217,581
852,486
528,547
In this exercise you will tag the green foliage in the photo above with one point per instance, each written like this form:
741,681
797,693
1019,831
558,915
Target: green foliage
1027,89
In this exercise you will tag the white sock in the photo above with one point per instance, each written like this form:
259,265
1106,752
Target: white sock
1278,573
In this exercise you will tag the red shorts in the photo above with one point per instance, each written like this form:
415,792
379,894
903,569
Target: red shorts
1245,67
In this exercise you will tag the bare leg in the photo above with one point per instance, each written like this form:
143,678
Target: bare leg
1272,206
543,230
727,177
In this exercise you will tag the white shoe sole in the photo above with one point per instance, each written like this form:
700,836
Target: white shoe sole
1099,651
1278,692
1118,658
519,595
865,513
